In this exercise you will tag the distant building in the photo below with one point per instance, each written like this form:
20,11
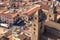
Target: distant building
9,18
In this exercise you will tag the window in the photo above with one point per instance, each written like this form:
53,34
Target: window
35,17
5,21
49,15
34,32
34,24
34,28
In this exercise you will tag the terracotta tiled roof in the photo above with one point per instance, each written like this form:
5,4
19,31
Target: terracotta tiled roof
9,15
32,10
22,37
14,15
1,11
45,7
28,31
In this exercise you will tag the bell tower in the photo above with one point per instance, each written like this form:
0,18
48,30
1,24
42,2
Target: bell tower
35,27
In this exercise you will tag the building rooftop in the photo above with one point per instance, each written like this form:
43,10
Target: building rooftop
22,37
45,7
1,11
27,9
10,14
3,31
35,8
